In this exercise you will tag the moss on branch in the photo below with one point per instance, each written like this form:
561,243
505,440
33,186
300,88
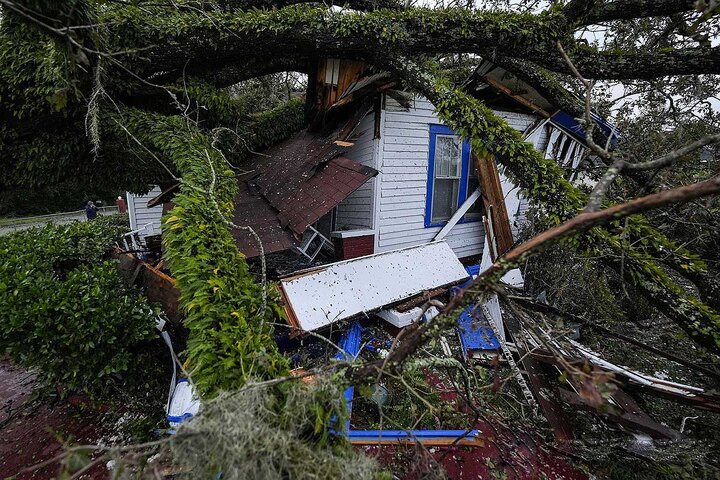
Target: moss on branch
231,334
542,181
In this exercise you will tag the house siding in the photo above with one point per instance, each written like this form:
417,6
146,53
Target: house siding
356,211
518,214
139,213
403,155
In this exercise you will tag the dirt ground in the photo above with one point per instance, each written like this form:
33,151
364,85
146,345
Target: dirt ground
32,432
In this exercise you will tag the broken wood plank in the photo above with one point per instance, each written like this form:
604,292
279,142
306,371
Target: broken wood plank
544,308
687,395
494,201
164,196
637,422
541,388
518,98
459,213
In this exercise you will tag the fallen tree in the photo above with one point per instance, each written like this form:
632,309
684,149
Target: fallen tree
127,94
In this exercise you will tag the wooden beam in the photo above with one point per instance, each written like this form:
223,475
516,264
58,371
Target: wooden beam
541,388
518,98
377,115
687,396
467,204
164,196
546,395
630,418
494,201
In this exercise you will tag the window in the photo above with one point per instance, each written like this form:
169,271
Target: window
448,173
451,178
332,71
476,211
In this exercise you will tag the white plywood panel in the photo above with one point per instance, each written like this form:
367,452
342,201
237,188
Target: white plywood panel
345,289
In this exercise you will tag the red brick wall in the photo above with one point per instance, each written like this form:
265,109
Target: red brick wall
352,247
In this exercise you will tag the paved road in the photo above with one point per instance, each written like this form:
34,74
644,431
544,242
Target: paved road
23,223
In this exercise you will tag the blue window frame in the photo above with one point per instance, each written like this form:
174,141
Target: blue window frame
451,178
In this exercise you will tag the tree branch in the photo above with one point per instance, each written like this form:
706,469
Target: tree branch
673,156
588,12
418,334
559,200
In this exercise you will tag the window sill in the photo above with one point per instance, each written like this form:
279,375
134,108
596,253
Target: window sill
352,233
445,222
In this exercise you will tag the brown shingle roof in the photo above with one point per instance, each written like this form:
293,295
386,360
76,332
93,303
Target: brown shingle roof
291,186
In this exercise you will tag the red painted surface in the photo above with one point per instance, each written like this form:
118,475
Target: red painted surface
501,458
29,433
510,451
121,204
353,247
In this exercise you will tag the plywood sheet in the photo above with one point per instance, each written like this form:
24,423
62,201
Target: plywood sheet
342,290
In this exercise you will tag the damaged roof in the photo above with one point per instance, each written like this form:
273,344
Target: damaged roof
293,185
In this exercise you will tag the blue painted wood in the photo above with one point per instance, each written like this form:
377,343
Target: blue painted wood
436,130
350,344
475,332
569,124
419,434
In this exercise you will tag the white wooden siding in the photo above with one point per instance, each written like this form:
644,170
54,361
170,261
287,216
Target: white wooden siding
140,215
403,163
518,212
356,211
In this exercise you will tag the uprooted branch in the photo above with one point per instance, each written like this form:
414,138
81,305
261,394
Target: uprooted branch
420,333
543,182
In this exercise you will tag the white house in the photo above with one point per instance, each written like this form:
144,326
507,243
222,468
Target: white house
390,175
426,174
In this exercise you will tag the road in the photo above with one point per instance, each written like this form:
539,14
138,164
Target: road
8,225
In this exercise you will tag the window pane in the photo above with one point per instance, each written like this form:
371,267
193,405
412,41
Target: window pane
447,156
445,197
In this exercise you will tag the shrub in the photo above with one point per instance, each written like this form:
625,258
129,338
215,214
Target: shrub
64,308
247,434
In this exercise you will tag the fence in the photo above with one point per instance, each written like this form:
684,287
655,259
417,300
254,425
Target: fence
21,223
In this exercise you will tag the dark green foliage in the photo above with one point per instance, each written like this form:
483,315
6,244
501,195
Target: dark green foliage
63,307
231,336
60,197
581,286
278,123
258,131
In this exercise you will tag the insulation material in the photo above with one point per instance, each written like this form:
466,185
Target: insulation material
403,319
184,403
339,291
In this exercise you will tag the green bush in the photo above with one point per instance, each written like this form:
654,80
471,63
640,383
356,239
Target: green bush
64,308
